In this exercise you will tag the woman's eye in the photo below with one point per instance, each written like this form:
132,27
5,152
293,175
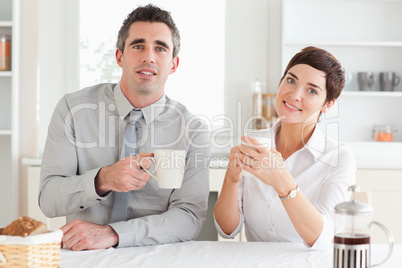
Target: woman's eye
291,80
312,91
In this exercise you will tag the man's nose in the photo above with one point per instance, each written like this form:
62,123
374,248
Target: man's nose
148,56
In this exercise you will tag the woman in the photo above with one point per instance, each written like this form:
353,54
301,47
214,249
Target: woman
297,184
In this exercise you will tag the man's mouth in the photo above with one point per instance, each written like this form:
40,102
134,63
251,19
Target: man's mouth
291,106
147,72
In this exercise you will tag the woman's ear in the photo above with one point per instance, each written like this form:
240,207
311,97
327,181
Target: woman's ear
327,106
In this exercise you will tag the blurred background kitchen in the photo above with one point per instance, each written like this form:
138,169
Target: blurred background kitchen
233,55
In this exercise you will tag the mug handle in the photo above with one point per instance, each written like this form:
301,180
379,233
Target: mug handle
397,80
390,241
348,78
147,171
371,79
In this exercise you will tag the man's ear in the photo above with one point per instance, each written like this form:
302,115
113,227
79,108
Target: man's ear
175,64
327,106
119,56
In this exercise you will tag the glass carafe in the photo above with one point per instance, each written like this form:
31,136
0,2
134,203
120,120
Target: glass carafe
352,234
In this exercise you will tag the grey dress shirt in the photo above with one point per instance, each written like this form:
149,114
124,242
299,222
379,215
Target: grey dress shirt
86,132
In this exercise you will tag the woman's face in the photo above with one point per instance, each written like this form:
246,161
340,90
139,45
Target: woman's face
301,95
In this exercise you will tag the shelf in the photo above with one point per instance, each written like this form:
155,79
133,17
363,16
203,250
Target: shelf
345,43
5,132
372,93
6,74
6,24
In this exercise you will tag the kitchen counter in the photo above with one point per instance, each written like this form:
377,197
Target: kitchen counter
217,254
377,155
372,155
369,155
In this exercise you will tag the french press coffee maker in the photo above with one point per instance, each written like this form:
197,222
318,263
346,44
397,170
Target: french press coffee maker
352,234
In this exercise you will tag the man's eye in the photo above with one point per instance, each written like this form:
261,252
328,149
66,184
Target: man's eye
160,49
137,46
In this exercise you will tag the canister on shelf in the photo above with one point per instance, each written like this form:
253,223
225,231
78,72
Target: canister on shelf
5,52
257,87
383,132
268,107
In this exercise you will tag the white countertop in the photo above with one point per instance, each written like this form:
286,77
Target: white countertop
217,254
369,155
377,155
32,161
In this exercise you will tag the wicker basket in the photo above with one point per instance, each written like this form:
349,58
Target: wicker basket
41,250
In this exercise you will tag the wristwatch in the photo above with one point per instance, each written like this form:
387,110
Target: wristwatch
292,194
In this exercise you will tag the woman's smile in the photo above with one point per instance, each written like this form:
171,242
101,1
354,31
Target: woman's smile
291,107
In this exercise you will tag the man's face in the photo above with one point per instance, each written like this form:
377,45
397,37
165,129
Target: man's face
147,59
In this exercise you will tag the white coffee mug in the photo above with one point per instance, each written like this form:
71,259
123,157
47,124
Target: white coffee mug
169,168
263,136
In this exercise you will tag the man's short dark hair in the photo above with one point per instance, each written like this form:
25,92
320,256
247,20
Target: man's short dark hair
149,13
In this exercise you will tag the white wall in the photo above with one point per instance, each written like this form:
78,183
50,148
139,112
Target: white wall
28,125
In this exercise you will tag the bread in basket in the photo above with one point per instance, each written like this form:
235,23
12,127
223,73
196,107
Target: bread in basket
28,243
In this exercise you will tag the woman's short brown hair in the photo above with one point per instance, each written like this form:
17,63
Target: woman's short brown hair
322,60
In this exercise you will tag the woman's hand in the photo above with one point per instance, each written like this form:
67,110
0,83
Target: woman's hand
266,164
233,172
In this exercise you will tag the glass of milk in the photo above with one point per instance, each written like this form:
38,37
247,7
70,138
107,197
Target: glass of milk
263,136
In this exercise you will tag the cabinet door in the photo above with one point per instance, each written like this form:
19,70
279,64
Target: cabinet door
33,208
384,189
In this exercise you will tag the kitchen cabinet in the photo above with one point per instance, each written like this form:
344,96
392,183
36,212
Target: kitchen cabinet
33,208
384,189
365,37
9,116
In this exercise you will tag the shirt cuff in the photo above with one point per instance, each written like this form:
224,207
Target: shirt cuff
119,228
89,185
327,234
234,233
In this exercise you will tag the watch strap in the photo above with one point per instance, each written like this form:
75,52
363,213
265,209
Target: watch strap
291,194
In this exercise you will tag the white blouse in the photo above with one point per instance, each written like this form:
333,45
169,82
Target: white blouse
323,169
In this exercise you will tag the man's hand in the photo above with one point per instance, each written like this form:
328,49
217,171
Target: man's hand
124,175
80,235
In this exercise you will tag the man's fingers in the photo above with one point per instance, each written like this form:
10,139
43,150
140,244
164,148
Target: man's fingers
145,163
66,228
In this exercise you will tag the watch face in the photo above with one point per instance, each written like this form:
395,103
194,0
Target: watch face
292,194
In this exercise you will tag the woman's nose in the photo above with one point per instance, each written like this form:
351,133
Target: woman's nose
297,94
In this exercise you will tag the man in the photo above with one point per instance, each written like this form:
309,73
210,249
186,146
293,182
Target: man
84,174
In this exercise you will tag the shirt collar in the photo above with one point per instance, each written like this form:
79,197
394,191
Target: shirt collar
150,112
315,145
